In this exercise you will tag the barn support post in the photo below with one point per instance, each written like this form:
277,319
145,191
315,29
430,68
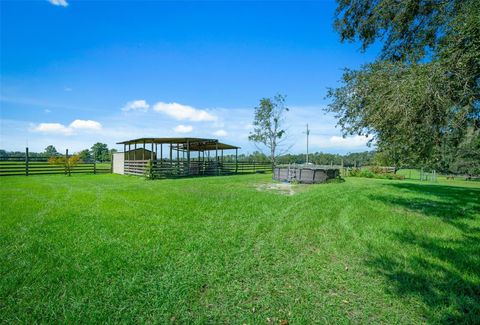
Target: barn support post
134,151
236,160
26,161
188,157
171,160
178,159
161,152
216,158
124,152
151,153
143,152
130,151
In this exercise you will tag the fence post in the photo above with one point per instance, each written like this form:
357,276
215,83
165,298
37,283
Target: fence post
26,161
66,163
94,164
236,160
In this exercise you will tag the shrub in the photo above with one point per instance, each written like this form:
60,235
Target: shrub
374,172
150,171
67,163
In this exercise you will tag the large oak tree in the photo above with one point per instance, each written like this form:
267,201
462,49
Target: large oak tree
421,98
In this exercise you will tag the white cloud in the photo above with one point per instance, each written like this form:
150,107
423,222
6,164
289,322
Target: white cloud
136,105
184,112
57,128
62,3
183,128
86,124
220,133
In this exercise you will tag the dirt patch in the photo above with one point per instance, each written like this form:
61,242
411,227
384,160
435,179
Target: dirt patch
280,188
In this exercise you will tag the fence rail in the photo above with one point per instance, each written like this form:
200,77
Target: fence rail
38,165
168,169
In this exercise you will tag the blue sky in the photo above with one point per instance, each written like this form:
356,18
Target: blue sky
77,72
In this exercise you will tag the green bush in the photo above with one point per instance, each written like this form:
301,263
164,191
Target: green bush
150,171
373,172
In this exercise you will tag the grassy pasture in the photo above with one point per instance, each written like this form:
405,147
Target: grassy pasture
109,248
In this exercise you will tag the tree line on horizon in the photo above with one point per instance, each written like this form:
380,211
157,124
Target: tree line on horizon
98,152
354,159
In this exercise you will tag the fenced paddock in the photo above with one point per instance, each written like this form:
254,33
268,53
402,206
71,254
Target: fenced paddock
29,166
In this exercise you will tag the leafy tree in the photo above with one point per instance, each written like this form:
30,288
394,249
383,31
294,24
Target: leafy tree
100,151
85,155
402,107
51,151
68,163
424,91
467,156
268,129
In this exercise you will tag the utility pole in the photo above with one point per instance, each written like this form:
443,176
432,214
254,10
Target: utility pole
308,133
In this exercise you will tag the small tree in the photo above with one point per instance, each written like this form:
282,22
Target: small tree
85,155
100,151
51,151
67,163
268,126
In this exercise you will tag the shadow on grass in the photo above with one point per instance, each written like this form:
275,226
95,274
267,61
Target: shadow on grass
443,272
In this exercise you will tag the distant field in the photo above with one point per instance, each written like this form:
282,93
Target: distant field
111,248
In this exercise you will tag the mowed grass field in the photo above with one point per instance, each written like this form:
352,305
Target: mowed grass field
227,250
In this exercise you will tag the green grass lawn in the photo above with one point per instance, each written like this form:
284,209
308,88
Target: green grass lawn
110,248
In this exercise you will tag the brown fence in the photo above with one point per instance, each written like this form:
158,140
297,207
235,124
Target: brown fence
26,166
167,169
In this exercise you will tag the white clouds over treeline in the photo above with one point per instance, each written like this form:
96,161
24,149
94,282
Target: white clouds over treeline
76,125
177,111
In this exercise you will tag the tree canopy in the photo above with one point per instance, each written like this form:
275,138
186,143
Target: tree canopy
100,151
51,151
422,94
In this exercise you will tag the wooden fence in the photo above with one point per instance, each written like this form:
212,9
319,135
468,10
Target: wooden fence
167,169
26,166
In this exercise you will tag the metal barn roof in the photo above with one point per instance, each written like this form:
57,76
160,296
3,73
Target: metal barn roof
194,144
